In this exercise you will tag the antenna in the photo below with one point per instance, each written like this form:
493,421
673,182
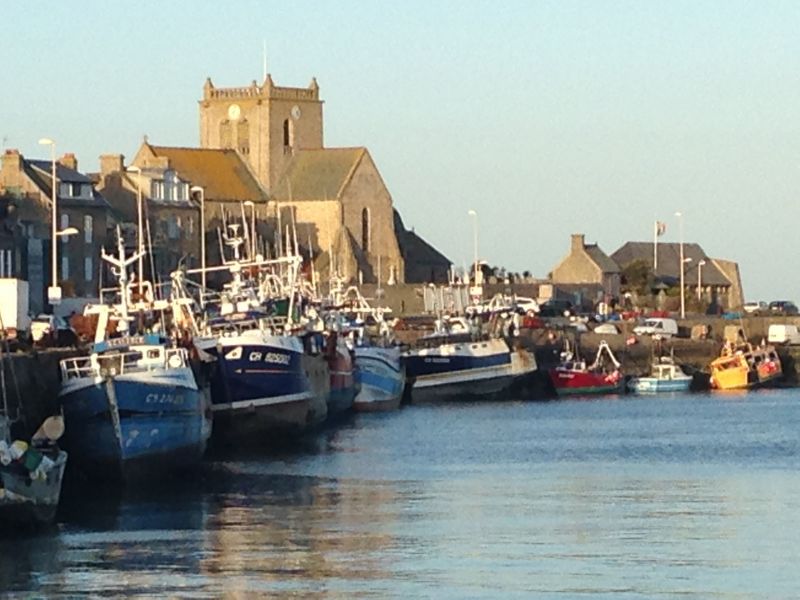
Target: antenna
264,56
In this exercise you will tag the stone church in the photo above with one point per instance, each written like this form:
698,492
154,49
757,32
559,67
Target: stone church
335,198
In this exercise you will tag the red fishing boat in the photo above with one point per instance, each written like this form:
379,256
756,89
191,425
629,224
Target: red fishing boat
574,376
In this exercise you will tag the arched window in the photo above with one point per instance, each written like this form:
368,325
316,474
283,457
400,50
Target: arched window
365,229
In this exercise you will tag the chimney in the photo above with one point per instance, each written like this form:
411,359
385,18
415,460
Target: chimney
111,163
12,161
578,242
69,161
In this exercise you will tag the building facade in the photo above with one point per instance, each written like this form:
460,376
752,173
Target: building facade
587,265
79,204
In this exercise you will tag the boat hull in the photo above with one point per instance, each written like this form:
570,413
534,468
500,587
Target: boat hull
137,424
653,385
568,382
380,379
27,502
265,385
343,382
467,370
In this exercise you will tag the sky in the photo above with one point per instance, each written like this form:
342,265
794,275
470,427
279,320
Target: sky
546,118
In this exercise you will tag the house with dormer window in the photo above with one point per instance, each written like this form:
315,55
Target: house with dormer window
28,184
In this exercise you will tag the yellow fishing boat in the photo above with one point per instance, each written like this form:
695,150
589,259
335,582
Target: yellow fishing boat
745,366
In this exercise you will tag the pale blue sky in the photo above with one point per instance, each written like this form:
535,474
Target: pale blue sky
547,118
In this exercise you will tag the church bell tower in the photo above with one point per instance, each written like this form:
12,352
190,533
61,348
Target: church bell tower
264,123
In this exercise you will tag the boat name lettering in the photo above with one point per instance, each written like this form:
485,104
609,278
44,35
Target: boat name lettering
270,357
155,398
437,360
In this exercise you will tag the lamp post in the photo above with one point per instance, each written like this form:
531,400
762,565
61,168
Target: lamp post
253,245
680,229
700,279
140,232
54,291
202,194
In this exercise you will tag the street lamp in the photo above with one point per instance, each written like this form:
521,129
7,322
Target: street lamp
140,233
54,291
474,216
680,229
700,279
201,192
253,246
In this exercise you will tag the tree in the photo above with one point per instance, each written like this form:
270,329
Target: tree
637,277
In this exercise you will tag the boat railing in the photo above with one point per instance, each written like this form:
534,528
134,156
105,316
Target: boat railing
117,363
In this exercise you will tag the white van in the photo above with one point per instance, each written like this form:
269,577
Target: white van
783,334
660,329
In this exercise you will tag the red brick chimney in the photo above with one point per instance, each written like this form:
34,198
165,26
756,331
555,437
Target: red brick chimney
69,161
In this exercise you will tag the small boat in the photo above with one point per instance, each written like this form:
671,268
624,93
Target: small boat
745,366
31,475
132,406
459,365
665,376
574,376
343,386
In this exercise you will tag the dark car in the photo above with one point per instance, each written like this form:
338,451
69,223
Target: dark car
556,308
783,307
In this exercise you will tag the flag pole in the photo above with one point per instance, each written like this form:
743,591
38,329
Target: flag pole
655,246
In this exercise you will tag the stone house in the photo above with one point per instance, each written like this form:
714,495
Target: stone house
29,183
587,272
174,184
718,280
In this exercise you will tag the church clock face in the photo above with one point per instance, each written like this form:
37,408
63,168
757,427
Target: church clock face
295,112
234,112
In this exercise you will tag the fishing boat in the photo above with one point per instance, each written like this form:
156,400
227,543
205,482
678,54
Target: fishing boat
379,374
30,475
574,376
269,373
462,365
132,406
665,376
343,387
745,366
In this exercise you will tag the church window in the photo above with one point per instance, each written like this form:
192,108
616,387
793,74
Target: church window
365,230
243,136
225,134
286,137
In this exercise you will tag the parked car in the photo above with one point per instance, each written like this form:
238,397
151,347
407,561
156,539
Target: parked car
606,329
659,328
783,334
755,308
556,308
783,307
52,330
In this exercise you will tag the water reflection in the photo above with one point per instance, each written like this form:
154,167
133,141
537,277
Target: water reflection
639,498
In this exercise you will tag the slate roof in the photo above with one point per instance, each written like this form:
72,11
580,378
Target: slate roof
40,172
320,174
601,259
419,256
222,173
669,261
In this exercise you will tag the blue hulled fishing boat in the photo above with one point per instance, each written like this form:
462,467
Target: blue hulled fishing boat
132,406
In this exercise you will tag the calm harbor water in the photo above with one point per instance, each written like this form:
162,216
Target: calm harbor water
691,496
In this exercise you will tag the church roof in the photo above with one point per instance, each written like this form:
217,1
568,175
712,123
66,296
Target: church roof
221,173
320,174
419,256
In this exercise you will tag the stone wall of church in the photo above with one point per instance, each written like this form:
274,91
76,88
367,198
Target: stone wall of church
368,216
318,221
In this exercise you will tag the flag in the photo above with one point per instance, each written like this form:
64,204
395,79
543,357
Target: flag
661,228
